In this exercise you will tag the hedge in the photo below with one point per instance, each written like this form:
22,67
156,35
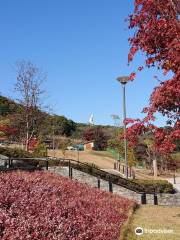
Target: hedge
161,186
18,153
148,186
15,152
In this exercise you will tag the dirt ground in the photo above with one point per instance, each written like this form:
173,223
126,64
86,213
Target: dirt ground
101,159
104,160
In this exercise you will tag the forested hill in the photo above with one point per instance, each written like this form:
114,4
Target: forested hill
61,125
8,106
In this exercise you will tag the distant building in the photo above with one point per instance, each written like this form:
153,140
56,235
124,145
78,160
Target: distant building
90,145
3,140
79,147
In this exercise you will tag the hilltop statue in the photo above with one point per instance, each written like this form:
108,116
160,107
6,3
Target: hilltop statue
91,119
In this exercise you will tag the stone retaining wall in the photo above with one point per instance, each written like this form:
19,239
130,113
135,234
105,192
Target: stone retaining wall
163,199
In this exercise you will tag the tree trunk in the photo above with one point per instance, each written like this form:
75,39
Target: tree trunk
27,135
155,170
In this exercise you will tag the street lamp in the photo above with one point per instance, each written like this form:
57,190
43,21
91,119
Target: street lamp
53,140
77,152
123,80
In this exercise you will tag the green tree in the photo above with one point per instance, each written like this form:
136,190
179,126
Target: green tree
63,144
40,150
117,143
63,126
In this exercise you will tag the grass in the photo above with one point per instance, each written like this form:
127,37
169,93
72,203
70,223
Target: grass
154,217
176,156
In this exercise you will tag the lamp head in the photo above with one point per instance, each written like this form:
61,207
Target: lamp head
123,79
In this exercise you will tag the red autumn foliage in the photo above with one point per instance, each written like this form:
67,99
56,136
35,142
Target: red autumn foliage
130,120
163,141
132,76
166,98
134,131
7,130
163,138
98,135
46,206
157,34
32,144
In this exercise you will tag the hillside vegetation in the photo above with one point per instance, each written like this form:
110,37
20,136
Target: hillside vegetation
46,123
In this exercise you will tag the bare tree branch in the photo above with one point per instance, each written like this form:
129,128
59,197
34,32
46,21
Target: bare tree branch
29,87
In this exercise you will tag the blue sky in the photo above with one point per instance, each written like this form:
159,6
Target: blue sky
82,45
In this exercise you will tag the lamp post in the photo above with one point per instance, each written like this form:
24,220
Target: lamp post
78,152
53,140
123,80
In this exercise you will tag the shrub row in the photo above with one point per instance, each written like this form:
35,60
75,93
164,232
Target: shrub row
15,152
41,205
161,186
19,153
148,186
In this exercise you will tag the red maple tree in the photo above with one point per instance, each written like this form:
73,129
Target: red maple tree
7,130
157,34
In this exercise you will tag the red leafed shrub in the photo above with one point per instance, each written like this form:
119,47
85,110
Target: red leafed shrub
46,206
7,130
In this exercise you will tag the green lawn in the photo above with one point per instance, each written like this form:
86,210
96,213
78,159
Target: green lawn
154,218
